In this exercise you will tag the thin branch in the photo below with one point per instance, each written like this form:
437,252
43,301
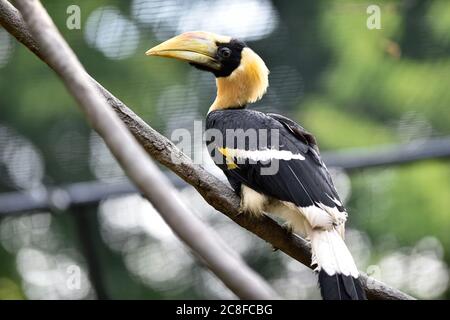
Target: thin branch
203,241
215,192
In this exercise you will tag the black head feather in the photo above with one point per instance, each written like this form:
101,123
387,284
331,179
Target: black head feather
229,55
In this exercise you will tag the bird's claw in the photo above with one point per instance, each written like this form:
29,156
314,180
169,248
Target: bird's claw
288,228
240,211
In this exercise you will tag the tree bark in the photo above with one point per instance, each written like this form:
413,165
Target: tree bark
155,186
215,192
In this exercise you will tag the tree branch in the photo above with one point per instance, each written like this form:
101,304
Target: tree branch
215,192
155,186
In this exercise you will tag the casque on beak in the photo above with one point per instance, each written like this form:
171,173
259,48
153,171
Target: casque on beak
194,47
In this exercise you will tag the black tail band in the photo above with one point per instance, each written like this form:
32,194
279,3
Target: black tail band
340,287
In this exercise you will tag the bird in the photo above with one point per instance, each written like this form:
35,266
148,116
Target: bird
270,161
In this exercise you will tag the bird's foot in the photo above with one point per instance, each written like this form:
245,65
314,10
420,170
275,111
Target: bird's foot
288,228
240,212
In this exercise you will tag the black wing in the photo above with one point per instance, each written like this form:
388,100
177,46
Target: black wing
303,182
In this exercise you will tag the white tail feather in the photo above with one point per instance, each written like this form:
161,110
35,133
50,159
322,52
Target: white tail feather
331,254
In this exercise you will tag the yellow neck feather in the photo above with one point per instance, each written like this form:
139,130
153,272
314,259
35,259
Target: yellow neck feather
246,84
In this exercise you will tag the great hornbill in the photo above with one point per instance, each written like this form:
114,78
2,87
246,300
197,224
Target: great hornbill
300,189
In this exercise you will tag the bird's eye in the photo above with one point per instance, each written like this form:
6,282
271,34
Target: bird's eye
224,52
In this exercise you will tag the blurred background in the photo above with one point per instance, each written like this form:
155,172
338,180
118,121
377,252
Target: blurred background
67,210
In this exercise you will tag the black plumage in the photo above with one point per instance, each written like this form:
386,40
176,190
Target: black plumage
302,182
229,56
340,287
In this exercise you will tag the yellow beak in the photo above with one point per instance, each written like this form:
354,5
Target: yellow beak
195,47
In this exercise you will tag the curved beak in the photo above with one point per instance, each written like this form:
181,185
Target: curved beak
194,47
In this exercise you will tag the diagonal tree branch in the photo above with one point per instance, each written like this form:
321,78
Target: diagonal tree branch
215,192
200,238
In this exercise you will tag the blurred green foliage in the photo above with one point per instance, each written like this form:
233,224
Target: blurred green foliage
361,88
